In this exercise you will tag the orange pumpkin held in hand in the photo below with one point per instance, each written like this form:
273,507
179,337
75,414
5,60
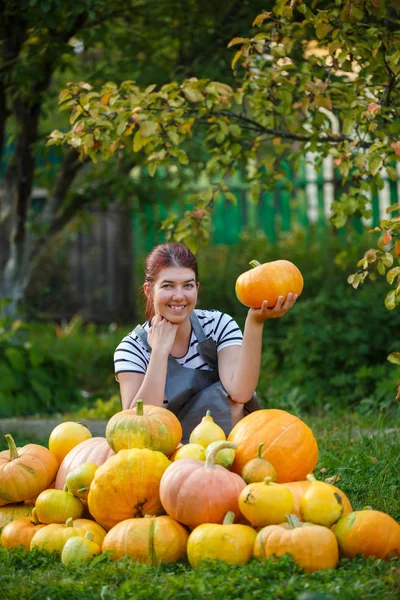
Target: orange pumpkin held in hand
268,282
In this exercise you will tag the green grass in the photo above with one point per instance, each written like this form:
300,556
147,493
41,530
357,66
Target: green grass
368,467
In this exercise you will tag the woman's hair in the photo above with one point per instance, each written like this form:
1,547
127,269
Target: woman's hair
162,256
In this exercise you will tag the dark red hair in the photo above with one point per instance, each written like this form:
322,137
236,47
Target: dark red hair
163,256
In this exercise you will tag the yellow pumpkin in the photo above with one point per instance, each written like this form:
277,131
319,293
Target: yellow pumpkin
127,485
53,537
78,481
321,504
56,506
265,503
312,547
10,512
206,432
66,436
151,540
229,542
144,426
80,550
189,451
298,489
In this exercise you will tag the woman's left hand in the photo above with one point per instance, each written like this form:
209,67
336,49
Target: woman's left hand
281,308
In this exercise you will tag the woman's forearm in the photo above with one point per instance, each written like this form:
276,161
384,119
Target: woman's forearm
152,390
247,369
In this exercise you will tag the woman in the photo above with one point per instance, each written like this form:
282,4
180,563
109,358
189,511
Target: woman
190,360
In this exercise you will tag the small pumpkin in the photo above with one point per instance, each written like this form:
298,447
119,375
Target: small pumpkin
94,450
80,550
10,512
78,481
257,469
150,540
268,281
144,426
312,547
320,504
56,506
369,533
224,457
298,489
206,432
127,485
229,542
193,492
20,532
25,472
53,537
66,436
189,451
96,530
265,503
290,445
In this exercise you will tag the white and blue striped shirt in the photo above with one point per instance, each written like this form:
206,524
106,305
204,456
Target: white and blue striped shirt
132,356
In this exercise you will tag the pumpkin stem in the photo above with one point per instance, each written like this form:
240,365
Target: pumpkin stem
211,456
65,488
260,448
229,518
267,480
367,507
139,408
69,522
89,536
254,263
11,446
310,477
293,521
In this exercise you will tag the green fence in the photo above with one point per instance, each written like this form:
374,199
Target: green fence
307,201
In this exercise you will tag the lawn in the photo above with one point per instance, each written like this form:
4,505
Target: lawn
366,465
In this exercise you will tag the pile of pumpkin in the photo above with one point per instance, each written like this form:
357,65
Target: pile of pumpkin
139,492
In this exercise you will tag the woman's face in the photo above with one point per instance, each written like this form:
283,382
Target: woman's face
174,293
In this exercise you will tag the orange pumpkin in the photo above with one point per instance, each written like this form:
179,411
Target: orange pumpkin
290,444
25,472
94,450
66,436
267,282
312,547
229,542
20,532
151,427
151,540
96,530
127,485
257,469
368,532
298,489
193,492
14,511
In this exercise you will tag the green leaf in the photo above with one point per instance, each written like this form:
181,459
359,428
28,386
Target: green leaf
390,300
16,358
238,54
394,357
375,164
183,158
237,40
148,128
137,141
231,197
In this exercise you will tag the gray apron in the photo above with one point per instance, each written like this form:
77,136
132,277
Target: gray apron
191,392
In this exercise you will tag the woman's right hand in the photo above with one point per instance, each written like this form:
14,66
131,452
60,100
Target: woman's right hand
161,334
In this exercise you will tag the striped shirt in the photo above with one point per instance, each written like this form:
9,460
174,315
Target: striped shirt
132,356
